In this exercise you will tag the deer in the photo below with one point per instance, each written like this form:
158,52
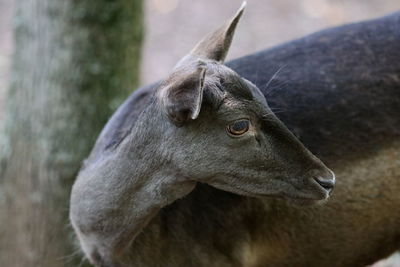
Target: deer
197,169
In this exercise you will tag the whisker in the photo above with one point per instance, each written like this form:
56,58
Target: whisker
72,254
278,112
267,116
273,77
277,109
82,261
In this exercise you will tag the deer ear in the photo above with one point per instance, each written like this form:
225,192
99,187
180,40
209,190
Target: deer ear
216,44
182,94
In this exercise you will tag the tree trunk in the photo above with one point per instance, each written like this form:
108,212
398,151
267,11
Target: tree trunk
74,63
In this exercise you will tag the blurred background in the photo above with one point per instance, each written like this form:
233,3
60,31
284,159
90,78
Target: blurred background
150,36
174,26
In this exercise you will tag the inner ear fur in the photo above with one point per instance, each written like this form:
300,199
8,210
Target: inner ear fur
182,94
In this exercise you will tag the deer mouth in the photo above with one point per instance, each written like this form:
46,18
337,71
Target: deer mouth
304,193
305,199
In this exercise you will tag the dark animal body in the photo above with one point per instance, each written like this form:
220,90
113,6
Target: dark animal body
338,90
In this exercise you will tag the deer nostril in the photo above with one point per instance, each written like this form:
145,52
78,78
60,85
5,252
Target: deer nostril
327,184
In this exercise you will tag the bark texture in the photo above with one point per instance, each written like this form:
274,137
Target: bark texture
74,63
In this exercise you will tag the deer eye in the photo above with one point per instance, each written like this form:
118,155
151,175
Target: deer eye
238,127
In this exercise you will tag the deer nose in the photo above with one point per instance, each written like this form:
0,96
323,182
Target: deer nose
326,181
327,184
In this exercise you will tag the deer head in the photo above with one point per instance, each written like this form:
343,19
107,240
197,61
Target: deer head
222,132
